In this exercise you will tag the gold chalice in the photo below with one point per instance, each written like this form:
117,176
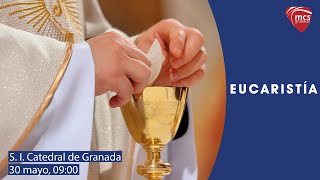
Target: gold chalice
152,119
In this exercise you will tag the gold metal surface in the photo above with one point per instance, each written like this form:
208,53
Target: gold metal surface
153,119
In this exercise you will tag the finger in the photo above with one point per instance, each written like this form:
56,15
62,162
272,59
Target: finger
136,70
177,42
135,53
124,93
139,87
193,45
173,33
190,80
144,43
189,68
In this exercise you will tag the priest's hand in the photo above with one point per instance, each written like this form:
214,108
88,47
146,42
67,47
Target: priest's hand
119,67
183,49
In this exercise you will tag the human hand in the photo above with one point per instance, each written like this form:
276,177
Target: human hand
119,67
183,48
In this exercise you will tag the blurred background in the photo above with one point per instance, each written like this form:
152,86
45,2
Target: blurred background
209,96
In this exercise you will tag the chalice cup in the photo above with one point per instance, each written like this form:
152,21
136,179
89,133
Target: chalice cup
153,118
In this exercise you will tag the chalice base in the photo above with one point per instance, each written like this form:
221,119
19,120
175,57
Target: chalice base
154,168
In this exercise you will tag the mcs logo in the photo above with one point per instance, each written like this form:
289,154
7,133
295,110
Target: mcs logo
300,17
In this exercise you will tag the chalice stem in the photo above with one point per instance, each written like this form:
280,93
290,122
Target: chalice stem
154,168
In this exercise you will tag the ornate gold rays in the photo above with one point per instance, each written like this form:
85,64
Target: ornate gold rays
71,13
37,15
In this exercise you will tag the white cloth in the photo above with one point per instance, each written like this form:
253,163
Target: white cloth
67,123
